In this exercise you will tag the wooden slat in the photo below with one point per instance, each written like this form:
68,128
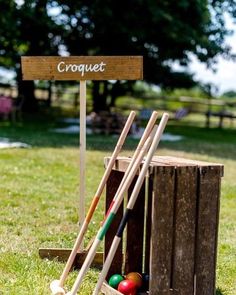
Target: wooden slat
135,229
162,231
108,290
188,162
148,226
111,188
207,230
63,255
71,68
122,163
184,235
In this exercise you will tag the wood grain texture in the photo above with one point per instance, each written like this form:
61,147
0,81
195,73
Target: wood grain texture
111,188
148,217
108,290
135,232
207,230
114,68
122,163
187,162
162,231
185,227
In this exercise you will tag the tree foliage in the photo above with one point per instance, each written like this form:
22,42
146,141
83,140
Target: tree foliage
26,29
229,94
164,32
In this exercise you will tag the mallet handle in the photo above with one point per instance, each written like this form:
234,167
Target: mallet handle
147,161
82,150
94,203
117,150
140,146
110,217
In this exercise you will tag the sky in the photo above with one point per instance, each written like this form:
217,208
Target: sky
224,77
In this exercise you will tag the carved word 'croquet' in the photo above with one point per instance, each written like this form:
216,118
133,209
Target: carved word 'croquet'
81,68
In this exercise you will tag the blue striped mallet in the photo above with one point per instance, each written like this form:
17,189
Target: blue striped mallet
153,141
131,204
109,218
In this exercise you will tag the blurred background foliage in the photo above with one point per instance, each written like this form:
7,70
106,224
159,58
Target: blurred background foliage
164,32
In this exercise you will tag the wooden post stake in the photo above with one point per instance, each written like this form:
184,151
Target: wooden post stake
82,153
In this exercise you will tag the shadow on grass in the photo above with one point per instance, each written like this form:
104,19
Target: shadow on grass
42,135
38,132
219,292
212,142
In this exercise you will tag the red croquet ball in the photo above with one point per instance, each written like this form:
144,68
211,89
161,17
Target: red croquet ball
135,277
127,287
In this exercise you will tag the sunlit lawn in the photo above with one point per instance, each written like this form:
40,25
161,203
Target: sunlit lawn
39,198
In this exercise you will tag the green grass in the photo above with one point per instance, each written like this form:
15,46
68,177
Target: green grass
39,197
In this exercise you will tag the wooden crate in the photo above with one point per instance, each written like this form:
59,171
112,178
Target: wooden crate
172,233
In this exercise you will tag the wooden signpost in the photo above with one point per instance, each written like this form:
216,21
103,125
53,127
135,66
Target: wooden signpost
80,68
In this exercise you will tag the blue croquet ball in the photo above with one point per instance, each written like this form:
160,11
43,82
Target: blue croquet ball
115,280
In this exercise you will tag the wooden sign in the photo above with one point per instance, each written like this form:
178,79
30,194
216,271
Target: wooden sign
82,68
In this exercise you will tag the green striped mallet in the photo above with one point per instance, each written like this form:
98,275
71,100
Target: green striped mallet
57,285
131,203
116,204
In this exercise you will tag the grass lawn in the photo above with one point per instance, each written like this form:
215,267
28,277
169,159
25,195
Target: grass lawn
39,198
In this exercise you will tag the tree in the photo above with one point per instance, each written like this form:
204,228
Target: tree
229,94
26,29
163,32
